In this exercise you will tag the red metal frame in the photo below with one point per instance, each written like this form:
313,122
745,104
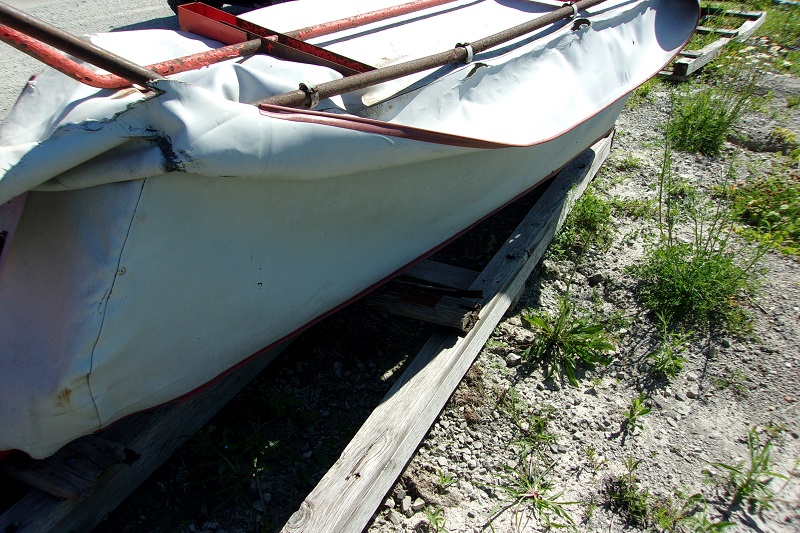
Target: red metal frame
83,74
355,21
220,25
243,38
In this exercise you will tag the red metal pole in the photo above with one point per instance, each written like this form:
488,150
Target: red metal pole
76,71
346,23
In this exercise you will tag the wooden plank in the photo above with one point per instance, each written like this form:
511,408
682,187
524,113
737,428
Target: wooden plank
721,31
693,60
73,471
431,292
348,494
749,28
454,313
686,66
443,274
154,435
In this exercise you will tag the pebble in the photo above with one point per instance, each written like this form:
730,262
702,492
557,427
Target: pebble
725,343
513,360
389,503
395,518
418,505
691,394
405,506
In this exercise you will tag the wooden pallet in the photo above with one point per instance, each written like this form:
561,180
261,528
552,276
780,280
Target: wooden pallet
690,61
87,479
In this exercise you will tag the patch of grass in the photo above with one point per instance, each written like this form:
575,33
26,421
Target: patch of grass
792,101
749,481
634,414
703,280
633,207
444,481
593,459
702,120
687,515
565,339
642,93
626,497
233,461
666,361
527,489
735,380
770,208
436,519
588,224
531,427
627,162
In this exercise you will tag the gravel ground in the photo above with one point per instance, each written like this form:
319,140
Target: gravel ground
253,465
729,384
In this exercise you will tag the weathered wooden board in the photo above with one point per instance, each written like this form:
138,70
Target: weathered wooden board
153,435
73,471
351,491
693,60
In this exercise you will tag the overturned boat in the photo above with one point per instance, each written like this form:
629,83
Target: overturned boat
163,224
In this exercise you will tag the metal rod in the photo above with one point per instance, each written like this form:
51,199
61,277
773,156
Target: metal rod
70,44
300,98
81,73
355,21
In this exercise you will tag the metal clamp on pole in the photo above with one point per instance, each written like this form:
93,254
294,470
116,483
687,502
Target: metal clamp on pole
311,92
470,52
574,9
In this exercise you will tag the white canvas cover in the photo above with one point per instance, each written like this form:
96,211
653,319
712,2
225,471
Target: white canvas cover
169,235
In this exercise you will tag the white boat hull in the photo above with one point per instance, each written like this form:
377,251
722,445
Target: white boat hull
168,266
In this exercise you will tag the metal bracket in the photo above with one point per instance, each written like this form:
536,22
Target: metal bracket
470,52
311,91
574,9
581,24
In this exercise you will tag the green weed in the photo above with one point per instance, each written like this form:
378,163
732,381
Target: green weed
234,461
626,497
633,207
436,519
593,459
642,93
702,120
667,361
444,481
526,489
532,428
634,414
749,481
588,224
700,281
566,338
685,515
736,381
770,208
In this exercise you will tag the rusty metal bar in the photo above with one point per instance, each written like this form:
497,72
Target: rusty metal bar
325,28
305,98
70,44
76,71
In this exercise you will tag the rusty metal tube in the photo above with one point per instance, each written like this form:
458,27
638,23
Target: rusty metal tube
70,44
76,71
459,54
355,21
